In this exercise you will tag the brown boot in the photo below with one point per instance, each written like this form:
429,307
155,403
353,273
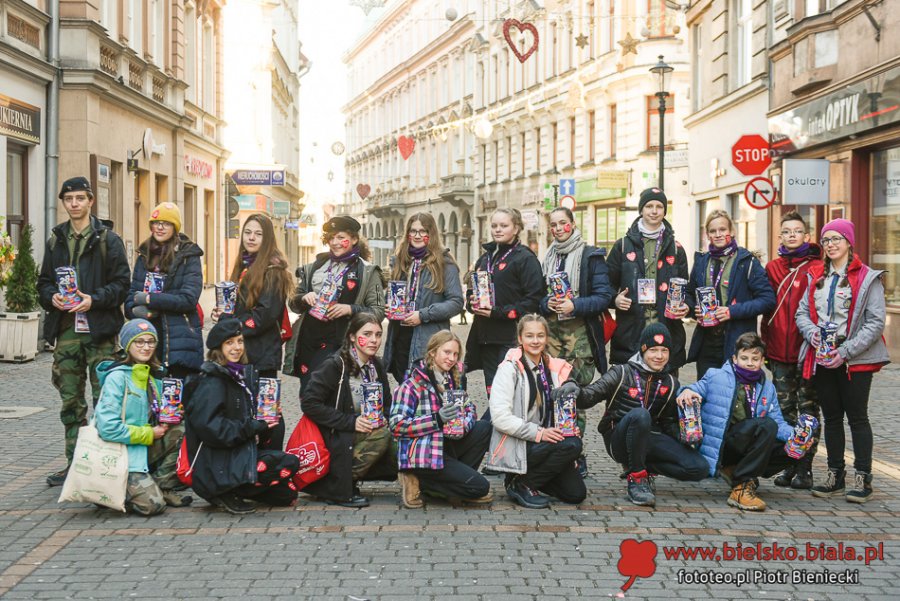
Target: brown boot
743,496
410,494
485,500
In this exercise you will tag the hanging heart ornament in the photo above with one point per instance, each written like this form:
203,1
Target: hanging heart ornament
406,146
363,190
509,24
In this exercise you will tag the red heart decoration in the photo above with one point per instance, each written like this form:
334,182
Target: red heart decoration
406,146
663,389
663,287
351,284
670,260
502,266
632,392
363,190
304,369
659,264
260,466
509,24
659,338
631,256
512,314
250,323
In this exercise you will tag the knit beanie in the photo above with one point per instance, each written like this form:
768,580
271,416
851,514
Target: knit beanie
134,328
655,334
222,331
842,226
653,194
167,211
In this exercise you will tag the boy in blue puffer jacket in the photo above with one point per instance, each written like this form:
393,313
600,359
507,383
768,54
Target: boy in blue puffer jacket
743,430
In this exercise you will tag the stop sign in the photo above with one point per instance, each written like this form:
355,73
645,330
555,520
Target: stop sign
750,155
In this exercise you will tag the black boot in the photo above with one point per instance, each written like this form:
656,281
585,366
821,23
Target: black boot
834,485
784,478
803,478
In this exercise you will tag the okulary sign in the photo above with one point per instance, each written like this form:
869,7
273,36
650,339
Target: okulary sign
805,181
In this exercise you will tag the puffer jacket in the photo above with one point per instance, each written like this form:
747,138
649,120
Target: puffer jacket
749,296
435,310
414,420
174,310
717,389
123,383
595,295
626,265
788,278
865,349
509,411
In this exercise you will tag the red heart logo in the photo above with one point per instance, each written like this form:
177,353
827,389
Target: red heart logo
631,256
659,264
292,486
303,369
363,190
796,283
670,260
284,473
273,483
261,467
406,146
632,392
509,24
663,287
512,314
638,560
351,284
250,323
659,338
663,389
154,214
501,266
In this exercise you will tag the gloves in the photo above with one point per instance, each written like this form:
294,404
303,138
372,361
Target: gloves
567,389
141,298
446,413
141,311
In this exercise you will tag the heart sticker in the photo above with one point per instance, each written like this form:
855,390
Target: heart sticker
659,338
659,264
631,256
670,260
663,287
250,323
632,392
663,389
304,369
260,467
567,228
406,146
512,314
501,266
351,284
363,190
509,24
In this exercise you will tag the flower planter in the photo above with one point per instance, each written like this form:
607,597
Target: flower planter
19,336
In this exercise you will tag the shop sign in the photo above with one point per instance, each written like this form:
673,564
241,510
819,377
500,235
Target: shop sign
282,208
676,158
861,106
19,120
258,177
530,219
805,181
197,167
608,179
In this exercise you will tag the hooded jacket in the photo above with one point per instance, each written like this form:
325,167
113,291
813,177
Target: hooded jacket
105,280
261,324
626,266
174,310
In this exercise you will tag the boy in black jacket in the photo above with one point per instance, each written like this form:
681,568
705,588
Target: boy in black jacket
640,425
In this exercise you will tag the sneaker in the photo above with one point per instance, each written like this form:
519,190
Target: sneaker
834,485
526,496
233,504
175,499
410,494
743,496
862,488
582,467
58,478
354,502
785,478
639,491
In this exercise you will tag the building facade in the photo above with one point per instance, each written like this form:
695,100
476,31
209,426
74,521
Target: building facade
261,108
837,64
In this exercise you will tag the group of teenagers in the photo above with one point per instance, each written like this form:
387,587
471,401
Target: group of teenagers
534,348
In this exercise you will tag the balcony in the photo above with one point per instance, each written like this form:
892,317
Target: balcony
458,189
387,205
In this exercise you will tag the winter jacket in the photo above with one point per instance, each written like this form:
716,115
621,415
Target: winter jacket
336,418
595,295
788,277
221,416
749,296
414,420
174,310
518,288
366,294
435,310
626,265
262,323
622,392
104,279
120,383
864,350
717,389
509,410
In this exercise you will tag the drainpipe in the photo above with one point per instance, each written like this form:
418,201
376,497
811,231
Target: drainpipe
52,158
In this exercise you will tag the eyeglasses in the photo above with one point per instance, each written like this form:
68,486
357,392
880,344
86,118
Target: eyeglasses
144,343
418,233
162,225
792,232
834,241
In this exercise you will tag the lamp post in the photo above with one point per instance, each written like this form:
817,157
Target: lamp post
663,72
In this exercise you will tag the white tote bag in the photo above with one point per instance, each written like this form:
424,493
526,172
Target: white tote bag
99,470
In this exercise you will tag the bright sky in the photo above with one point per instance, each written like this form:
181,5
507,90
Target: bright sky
327,29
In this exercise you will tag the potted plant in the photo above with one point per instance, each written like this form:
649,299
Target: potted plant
19,325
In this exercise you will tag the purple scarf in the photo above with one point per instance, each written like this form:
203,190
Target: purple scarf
417,253
352,255
716,252
799,252
746,376
236,370
247,259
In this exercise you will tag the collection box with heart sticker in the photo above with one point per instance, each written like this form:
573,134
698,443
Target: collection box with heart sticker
327,298
675,296
268,400
708,303
67,284
154,282
566,415
561,289
373,404
171,410
482,290
690,427
398,306
226,296
455,428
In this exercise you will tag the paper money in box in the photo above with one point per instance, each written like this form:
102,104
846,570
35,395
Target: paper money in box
373,403
154,282
455,428
67,283
171,409
561,289
482,290
226,296
398,306
566,415
268,400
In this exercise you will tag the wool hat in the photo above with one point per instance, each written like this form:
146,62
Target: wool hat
844,227
134,328
653,194
222,331
656,334
167,211
342,223
76,184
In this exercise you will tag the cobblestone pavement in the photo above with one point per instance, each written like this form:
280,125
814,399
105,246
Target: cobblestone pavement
312,551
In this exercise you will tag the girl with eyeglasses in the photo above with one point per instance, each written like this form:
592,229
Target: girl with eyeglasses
165,289
433,292
848,296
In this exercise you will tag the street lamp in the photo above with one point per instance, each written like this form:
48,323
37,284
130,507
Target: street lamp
663,72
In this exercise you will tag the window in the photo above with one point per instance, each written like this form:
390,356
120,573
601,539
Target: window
555,145
885,239
209,66
697,62
496,161
702,212
157,13
611,36
190,52
16,189
571,140
590,137
592,24
522,154
656,18
555,53
653,121
537,150
136,25
509,157
744,42
109,17
744,221
613,130
611,223
826,48
484,157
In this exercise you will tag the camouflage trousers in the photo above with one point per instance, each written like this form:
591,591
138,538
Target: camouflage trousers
368,449
569,340
75,359
143,495
795,396
144,492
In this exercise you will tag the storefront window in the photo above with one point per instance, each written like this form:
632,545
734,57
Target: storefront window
885,239
16,182
744,217
611,224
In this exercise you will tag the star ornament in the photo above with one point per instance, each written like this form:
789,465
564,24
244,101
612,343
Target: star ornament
629,44
581,41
